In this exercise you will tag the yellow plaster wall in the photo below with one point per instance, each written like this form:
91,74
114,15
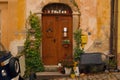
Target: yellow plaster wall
17,9
13,20
4,22
21,9
17,14
12,23
95,19
21,14
118,45
103,17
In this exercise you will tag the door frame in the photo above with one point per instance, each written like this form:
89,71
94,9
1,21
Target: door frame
75,19
66,12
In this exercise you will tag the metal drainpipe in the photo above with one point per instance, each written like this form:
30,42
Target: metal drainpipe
116,25
113,28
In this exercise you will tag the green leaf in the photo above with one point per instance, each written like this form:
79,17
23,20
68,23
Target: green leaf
32,55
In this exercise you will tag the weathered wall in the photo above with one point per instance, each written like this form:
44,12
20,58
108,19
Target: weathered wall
88,23
35,6
17,23
13,26
118,48
12,23
94,20
4,20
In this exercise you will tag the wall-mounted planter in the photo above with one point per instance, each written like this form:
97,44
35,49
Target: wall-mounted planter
66,45
66,42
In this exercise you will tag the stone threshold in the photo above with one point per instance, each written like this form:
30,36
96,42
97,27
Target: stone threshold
51,68
59,76
50,75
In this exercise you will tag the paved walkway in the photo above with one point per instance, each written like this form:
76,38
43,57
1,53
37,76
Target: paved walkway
98,76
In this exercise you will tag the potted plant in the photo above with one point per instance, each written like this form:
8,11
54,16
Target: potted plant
72,75
32,47
66,42
76,69
67,64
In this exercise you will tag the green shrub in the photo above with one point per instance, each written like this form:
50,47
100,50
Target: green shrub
78,50
32,46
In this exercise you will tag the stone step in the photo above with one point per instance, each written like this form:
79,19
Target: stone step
51,68
50,75
59,76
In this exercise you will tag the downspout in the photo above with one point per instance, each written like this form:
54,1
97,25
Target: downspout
116,28
113,29
111,26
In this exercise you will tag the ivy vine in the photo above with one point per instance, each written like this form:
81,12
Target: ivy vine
78,50
32,46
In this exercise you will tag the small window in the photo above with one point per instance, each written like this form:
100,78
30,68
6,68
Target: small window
57,8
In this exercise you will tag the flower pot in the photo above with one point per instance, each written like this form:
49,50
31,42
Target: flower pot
68,70
72,76
76,70
66,45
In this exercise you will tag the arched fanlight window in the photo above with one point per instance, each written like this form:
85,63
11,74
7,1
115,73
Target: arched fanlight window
57,8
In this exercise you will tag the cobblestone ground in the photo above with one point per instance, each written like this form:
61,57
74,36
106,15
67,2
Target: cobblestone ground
99,76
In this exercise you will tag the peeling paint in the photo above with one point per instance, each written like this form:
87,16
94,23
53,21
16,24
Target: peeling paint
95,19
14,46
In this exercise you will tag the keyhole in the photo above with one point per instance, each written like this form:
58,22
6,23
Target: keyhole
54,40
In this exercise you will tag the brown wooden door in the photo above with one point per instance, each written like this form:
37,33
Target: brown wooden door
53,28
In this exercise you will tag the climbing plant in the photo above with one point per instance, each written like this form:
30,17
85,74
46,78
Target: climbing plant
32,45
78,50
76,5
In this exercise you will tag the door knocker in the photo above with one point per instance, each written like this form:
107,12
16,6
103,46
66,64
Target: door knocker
49,32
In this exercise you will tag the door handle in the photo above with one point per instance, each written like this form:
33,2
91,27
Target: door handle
54,40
